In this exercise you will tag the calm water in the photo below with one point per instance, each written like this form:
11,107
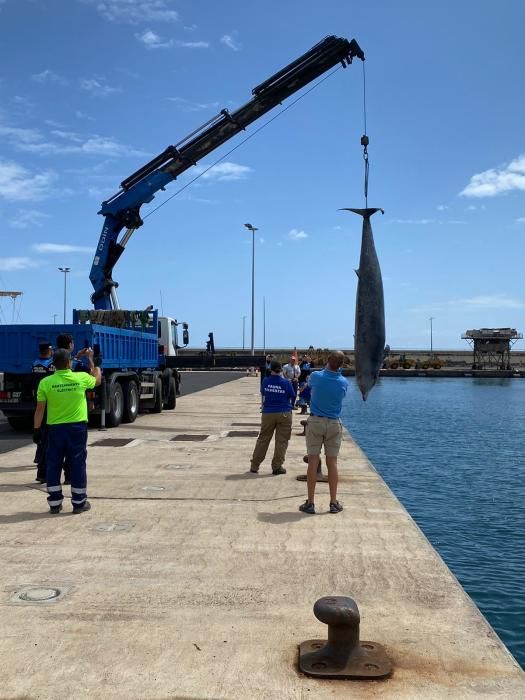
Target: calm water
452,452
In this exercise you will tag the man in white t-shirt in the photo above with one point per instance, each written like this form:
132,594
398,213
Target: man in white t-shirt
292,371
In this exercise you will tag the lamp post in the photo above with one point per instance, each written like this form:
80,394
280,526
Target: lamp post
264,325
253,229
243,327
65,270
431,346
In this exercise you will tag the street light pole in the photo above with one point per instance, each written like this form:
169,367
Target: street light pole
253,229
431,346
65,270
264,325
243,327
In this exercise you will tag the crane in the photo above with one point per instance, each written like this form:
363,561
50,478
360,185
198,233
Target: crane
122,210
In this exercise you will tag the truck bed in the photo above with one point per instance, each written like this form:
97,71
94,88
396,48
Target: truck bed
120,348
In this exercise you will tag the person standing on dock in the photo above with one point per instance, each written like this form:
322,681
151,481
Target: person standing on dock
42,367
278,398
292,371
324,427
63,395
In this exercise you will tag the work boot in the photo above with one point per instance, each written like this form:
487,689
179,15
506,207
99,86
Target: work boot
82,508
54,510
278,470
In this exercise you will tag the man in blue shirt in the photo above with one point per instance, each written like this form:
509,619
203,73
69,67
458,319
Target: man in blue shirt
278,398
329,388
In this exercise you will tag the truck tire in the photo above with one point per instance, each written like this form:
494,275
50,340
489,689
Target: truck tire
157,405
171,399
115,410
131,407
21,424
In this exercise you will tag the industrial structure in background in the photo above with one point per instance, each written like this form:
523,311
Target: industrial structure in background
491,346
137,350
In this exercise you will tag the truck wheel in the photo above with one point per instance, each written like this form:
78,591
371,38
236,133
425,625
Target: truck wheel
21,424
131,408
157,406
171,400
115,412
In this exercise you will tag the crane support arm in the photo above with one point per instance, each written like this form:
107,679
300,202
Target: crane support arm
122,210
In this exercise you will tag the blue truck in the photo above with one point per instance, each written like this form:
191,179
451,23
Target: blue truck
133,361
137,350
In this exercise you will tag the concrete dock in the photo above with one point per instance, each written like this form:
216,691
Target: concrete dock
191,578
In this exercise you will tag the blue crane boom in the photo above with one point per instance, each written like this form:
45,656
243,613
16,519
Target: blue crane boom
122,210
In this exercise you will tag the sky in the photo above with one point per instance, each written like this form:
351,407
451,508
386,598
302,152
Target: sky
90,90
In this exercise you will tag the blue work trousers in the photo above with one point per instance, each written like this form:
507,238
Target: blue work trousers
67,441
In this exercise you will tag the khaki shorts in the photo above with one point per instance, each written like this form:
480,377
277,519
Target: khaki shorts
323,431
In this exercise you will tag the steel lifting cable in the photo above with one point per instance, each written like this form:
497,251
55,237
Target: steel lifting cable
250,136
364,138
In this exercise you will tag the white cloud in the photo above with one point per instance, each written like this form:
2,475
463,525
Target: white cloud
261,240
136,11
28,218
10,264
82,115
442,207
225,171
97,87
229,41
193,44
16,134
520,220
61,248
496,301
471,207
296,235
188,106
153,41
455,221
494,181
48,76
19,185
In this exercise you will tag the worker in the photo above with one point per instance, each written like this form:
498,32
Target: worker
278,398
324,427
78,363
42,367
63,394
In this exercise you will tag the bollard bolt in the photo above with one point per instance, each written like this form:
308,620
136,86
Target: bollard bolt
342,655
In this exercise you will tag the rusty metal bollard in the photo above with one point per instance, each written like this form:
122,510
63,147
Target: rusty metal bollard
343,655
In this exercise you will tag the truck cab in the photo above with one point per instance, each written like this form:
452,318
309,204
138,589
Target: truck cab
169,337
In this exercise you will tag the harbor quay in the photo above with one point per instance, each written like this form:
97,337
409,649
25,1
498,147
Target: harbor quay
192,578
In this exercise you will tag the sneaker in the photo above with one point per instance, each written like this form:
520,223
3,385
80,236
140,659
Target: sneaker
54,510
254,470
307,507
279,470
335,507
82,509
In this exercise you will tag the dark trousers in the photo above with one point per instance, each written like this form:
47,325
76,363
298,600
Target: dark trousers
67,441
41,457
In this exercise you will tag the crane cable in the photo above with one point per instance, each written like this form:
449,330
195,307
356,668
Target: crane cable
364,138
285,109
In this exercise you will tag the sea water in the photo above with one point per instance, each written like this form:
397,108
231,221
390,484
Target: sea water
452,451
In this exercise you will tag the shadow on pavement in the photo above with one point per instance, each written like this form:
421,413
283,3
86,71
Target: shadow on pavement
28,516
245,475
279,518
